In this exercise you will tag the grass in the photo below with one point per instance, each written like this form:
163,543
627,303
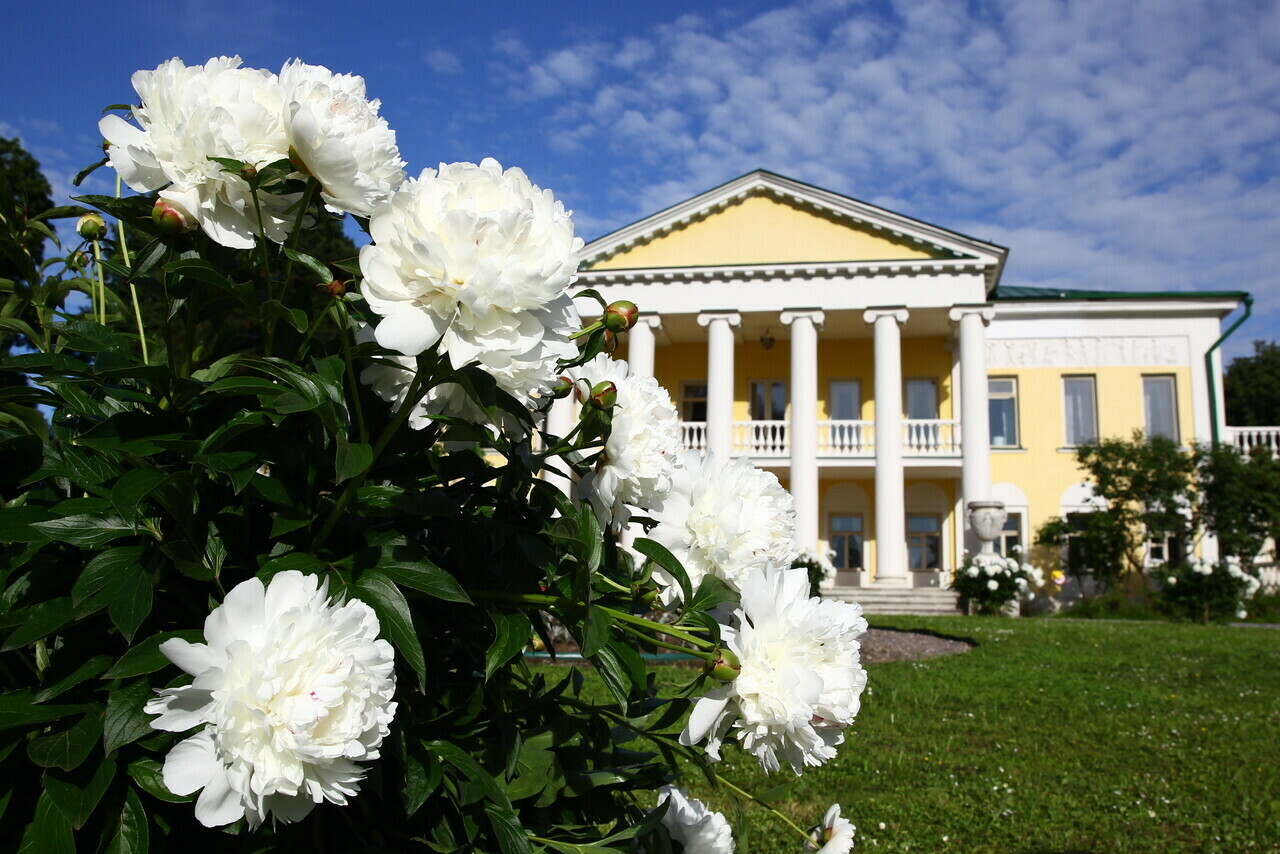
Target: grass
1056,736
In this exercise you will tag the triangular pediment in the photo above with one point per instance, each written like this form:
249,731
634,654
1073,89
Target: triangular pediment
766,219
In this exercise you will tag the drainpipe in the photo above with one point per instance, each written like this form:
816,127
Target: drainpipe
1211,375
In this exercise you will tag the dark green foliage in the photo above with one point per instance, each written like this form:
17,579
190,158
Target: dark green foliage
1239,498
1251,387
245,446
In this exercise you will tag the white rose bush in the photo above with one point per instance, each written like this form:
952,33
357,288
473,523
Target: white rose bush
270,567
1201,590
989,584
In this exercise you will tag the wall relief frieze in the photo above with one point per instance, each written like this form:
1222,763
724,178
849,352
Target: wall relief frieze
1088,352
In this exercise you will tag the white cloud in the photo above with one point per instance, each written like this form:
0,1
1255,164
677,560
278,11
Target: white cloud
1110,145
442,61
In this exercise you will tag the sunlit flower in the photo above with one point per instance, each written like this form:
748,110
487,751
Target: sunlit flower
477,257
800,680
336,136
728,521
692,825
835,836
993,584
189,114
291,692
640,456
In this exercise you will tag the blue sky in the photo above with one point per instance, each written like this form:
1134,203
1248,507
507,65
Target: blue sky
1111,145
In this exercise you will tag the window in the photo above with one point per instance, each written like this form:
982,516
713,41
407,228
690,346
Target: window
768,400
693,401
1002,410
924,542
1010,535
845,539
1080,408
845,401
922,399
1159,399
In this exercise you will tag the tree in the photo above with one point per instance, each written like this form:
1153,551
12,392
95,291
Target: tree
29,190
1252,387
1239,498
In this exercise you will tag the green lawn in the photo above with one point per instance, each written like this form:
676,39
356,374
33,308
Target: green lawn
1052,736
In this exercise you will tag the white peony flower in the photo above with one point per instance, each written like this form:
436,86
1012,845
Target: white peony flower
728,521
692,825
972,571
993,585
643,449
1242,614
336,135
477,257
835,836
1171,580
189,114
800,678
291,692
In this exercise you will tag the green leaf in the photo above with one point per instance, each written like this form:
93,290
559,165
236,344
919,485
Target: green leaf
133,836
199,270
512,838
125,722
353,458
106,571
40,620
276,310
511,631
386,600
15,524
133,604
69,748
149,775
78,802
659,554
412,570
613,674
18,708
50,832
712,591
595,630
85,530
778,792
316,266
87,670
145,656
129,490
229,163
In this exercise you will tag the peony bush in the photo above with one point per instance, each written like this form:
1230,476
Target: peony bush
990,584
1197,589
277,528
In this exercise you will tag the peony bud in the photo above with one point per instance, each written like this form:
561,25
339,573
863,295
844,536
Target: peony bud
335,289
248,172
610,341
726,665
77,260
649,596
620,315
91,226
603,395
169,219
562,387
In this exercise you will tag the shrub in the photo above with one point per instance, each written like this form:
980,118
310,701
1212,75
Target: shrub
1198,590
988,584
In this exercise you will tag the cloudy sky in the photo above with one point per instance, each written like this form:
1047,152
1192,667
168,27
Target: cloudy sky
1110,144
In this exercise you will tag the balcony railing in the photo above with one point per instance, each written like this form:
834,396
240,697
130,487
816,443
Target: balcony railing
920,438
1248,438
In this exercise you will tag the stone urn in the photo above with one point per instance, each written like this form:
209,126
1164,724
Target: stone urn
986,520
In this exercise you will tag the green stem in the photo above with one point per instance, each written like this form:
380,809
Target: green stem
133,287
291,243
99,295
345,332
417,390
670,631
587,330
771,809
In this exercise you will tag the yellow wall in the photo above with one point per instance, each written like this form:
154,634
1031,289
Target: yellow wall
841,504
1044,468
761,230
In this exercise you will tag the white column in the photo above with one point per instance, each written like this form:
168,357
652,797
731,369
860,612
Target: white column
975,427
891,511
803,438
640,345
720,341
561,419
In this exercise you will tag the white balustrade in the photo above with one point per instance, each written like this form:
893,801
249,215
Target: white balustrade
846,438
694,435
931,437
1248,438
761,438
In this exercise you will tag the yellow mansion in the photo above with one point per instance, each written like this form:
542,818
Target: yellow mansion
879,367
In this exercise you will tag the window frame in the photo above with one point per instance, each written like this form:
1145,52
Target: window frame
923,548
861,534
1172,380
1093,384
937,398
1002,539
831,397
686,399
1017,411
769,382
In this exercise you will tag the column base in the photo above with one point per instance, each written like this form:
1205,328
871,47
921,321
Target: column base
894,581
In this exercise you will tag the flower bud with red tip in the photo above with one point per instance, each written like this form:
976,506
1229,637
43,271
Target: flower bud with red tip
603,396
725,666
170,219
620,315
91,226
561,388
610,341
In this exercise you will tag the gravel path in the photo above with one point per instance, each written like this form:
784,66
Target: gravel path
880,645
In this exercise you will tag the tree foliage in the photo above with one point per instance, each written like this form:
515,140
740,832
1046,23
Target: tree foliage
1251,387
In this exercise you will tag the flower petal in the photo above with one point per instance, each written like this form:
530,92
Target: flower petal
191,764
195,658
410,332
219,804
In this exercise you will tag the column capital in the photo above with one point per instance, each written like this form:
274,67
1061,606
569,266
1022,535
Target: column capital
653,321
983,310
816,315
897,312
729,315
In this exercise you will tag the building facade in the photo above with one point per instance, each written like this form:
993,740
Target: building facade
881,369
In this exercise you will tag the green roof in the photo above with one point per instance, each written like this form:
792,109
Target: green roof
1017,293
